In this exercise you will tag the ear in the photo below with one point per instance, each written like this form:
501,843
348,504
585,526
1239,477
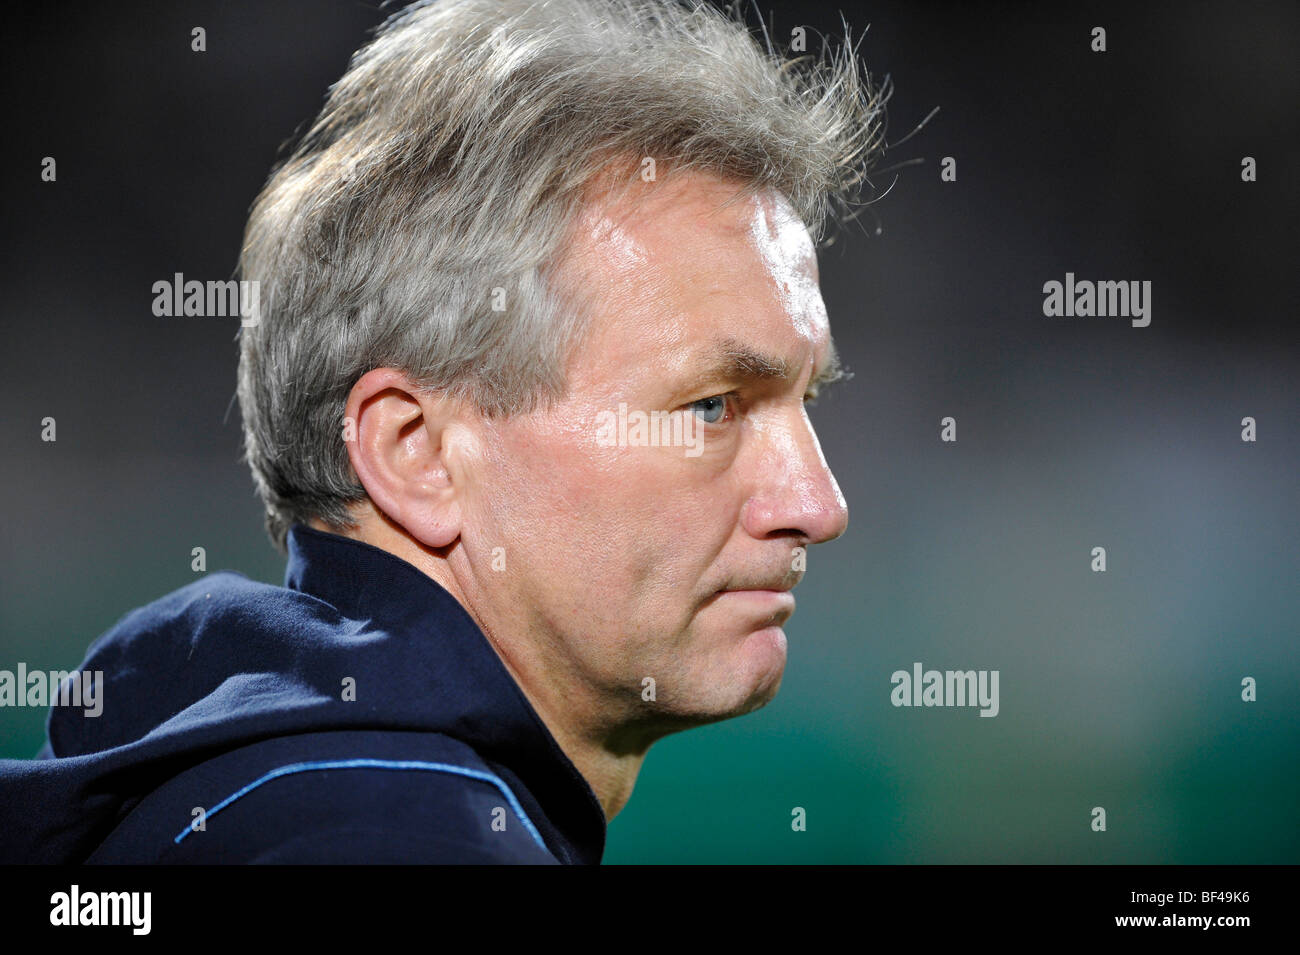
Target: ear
403,444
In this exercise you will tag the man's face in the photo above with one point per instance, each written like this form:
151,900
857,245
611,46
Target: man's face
626,560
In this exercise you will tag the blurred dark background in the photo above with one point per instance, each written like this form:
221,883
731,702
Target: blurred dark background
1119,690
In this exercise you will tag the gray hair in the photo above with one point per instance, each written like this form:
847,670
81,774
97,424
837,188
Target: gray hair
440,178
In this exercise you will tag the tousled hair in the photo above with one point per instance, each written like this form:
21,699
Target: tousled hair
420,221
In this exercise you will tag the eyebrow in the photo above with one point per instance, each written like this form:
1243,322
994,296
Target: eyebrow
735,361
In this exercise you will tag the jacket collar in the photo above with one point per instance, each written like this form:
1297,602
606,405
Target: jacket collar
473,697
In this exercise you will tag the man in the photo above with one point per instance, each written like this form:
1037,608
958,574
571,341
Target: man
526,406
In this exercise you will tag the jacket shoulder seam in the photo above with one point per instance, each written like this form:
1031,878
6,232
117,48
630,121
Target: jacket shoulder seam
398,765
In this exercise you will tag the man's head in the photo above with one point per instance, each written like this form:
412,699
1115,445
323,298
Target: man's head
540,313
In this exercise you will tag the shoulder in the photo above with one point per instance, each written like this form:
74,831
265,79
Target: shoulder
334,797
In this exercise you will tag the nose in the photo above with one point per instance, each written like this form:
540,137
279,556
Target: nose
794,492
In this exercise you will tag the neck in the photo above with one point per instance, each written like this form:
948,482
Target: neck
607,753
609,761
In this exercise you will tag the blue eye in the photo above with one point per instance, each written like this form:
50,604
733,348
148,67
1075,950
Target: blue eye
710,410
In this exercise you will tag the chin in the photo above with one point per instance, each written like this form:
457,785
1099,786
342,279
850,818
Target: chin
743,678
764,665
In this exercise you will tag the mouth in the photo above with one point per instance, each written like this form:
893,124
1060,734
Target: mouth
770,605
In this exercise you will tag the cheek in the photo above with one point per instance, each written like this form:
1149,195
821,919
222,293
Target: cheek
633,524
561,502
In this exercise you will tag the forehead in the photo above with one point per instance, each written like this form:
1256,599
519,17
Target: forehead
671,272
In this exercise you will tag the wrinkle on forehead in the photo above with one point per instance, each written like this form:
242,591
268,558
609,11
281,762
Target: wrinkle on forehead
650,256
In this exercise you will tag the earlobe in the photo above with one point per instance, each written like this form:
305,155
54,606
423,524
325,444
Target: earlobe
397,440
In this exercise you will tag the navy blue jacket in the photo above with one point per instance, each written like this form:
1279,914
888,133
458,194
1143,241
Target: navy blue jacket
228,696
